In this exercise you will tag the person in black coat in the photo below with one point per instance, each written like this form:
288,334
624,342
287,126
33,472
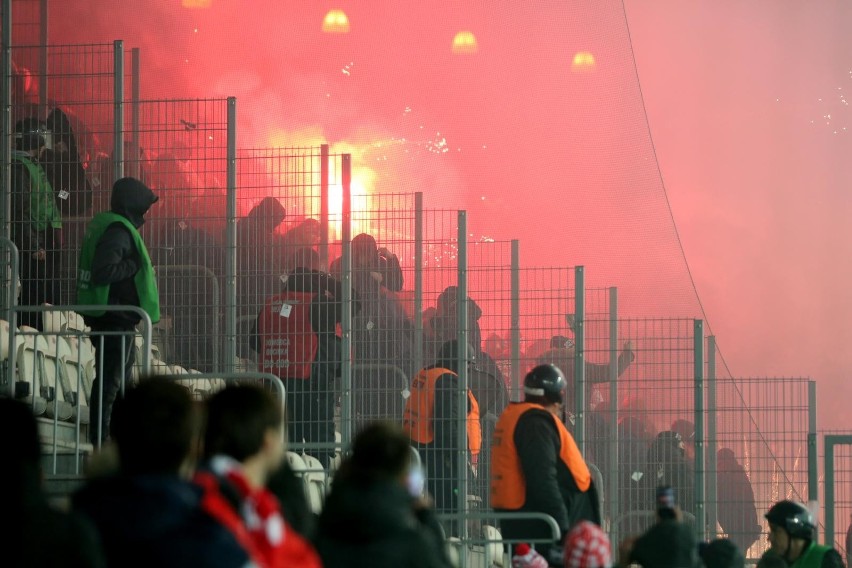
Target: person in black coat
150,514
372,517
737,510
33,533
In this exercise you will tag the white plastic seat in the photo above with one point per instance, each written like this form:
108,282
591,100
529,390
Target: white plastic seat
28,386
73,380
315,482
47,351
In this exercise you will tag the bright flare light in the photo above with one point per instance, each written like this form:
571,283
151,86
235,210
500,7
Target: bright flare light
196,3
335,22
465,43
583,62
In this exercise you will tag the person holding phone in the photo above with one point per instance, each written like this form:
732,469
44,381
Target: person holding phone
669,543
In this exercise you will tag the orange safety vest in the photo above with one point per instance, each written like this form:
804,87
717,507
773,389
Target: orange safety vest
418,417
288,341
508,487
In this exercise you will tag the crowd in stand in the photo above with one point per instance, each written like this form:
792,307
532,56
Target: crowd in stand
208,486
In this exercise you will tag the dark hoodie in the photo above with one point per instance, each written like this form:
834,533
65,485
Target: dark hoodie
373,524
156,520
116,259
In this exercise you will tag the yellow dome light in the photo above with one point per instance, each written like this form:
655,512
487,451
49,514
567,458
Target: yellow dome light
335,22
196,3
583,62
465,43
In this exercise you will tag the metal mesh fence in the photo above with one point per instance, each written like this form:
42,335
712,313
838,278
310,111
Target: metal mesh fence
836,480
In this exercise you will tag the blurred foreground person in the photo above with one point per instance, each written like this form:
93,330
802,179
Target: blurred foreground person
375,515
536,466
791,535
150,514
32,533
244,446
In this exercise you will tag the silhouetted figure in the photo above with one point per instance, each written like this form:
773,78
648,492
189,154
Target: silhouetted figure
34,534
667,465
737,511
259,255
36,222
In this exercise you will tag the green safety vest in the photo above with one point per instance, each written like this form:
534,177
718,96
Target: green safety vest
44,213
812,557
145,281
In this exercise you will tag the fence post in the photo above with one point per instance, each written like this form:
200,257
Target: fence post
711,437
346,319
698,346
612,486
580,358
6,134
418,280
324,198
462,340
230,354
118,110
10,313
135,167
516,320
813,465
43,66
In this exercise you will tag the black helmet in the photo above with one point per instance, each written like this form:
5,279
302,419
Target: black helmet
547,381
792,517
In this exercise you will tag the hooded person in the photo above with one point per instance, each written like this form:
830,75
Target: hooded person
737,511
260,254
115,270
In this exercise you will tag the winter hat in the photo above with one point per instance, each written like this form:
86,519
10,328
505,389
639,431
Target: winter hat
587,546
526,557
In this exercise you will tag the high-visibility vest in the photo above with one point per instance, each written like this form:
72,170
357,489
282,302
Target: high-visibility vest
418,417
508,486
144,280
288,342
44,213
811,557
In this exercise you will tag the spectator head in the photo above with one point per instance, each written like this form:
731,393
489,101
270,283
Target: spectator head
244,422
721,553
545,385
31,135
365,252
268,214
587,546
448,356
155,426
380,452
305,258
131,198
791,529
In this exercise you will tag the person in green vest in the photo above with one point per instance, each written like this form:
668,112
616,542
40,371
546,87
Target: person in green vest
115,269
791,535
36,221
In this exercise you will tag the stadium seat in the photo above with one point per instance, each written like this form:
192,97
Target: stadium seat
49,363
73,380
29,387
315,482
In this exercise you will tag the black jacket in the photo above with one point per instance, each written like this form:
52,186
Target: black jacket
116,259
550,486
34,535
667,544
156,521
373,524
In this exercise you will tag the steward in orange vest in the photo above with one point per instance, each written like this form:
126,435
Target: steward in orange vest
431,419
536,466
